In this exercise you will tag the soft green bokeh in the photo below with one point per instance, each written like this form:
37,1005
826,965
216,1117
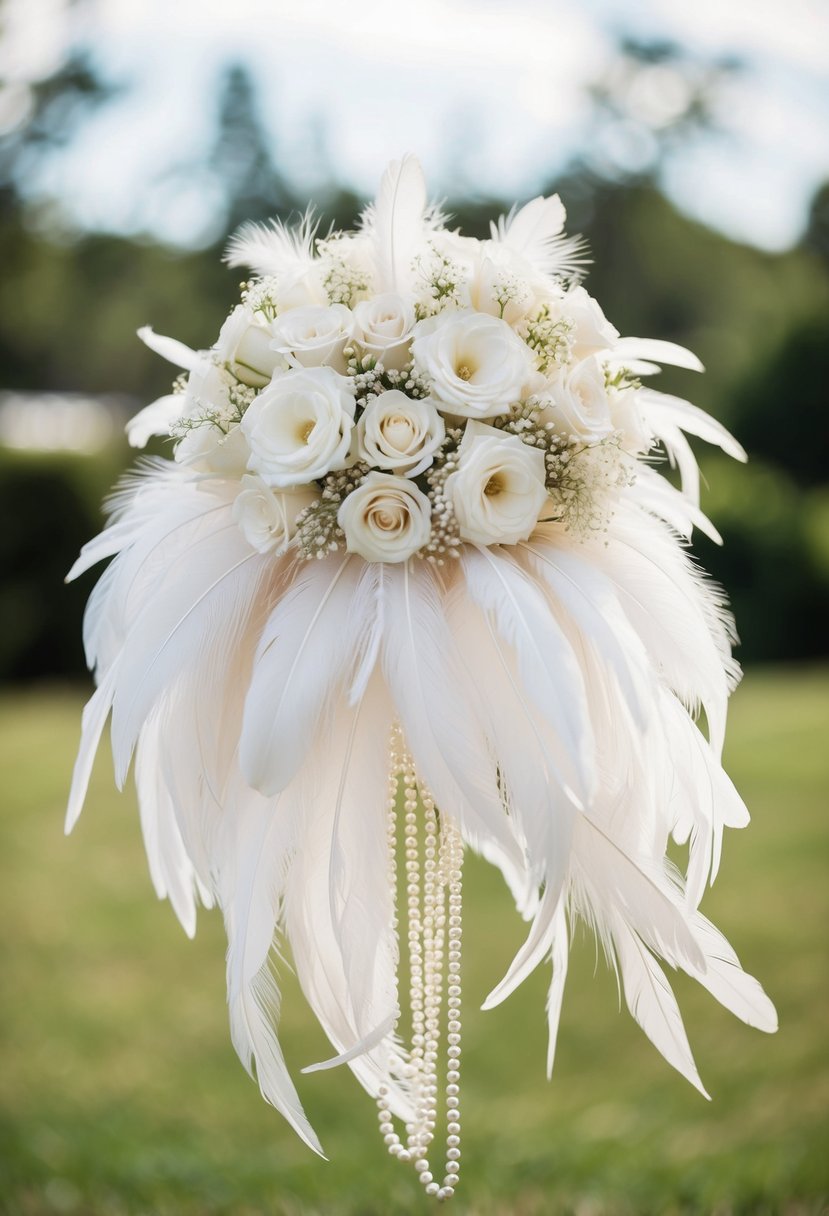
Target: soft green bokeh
120,1093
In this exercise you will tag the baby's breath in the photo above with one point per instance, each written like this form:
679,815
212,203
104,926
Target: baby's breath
440,283
318,532
549,339
260,297
445,540
344,283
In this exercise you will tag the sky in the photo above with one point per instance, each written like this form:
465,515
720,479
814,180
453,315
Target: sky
491,96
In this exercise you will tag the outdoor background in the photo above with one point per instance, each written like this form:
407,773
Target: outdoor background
690,145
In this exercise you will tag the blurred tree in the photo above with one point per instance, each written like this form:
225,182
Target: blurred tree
50,112
241,157
816,237
654,98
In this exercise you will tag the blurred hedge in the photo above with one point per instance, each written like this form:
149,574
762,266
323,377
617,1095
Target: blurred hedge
50,505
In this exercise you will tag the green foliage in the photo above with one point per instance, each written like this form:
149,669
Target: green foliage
51,506
120,1093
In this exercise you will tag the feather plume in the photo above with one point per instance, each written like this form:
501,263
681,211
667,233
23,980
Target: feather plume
535,233
396,224
441,724
559,956
303,653
274,248
652,1003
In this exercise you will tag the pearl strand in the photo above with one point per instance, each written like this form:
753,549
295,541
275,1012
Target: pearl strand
454,861
433,903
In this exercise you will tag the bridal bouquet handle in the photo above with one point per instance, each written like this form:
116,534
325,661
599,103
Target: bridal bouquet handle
411,584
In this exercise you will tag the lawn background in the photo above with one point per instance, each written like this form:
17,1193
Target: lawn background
120,1092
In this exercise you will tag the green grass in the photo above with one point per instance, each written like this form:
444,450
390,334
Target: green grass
120,1093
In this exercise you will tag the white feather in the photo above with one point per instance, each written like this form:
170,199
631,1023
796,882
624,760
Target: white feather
171,870
95,714
274,248
535,233
396,224
725,979
437,709
679,510
625,349
659,408
548,668
587,598
560,956
303,653
173,351
652,1003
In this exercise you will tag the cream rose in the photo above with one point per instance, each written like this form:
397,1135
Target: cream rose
399,432
312,336
299,427
591,330
498,488
577,402
477,366
501,283
266,517
386,519
383,328
245,346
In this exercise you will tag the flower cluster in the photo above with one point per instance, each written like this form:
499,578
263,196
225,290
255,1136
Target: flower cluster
401,390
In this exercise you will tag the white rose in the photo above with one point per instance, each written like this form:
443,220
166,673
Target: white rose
577,402
636,434
207,448
313,337
245,346
591,331
500,284
477,366
299,427
386,519
213,442
266,517
498,489
383,327
401,433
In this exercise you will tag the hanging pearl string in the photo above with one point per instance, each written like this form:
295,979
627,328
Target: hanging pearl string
433,921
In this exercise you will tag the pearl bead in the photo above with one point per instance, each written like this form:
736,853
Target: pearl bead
432,1188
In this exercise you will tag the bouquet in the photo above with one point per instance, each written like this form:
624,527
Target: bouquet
413,583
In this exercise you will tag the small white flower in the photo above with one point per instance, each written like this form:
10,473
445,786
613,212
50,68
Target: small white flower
385,519
313,336
577,403
498,489
299,427
400,433
591,331
476,365
383,327
267,517
245,346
